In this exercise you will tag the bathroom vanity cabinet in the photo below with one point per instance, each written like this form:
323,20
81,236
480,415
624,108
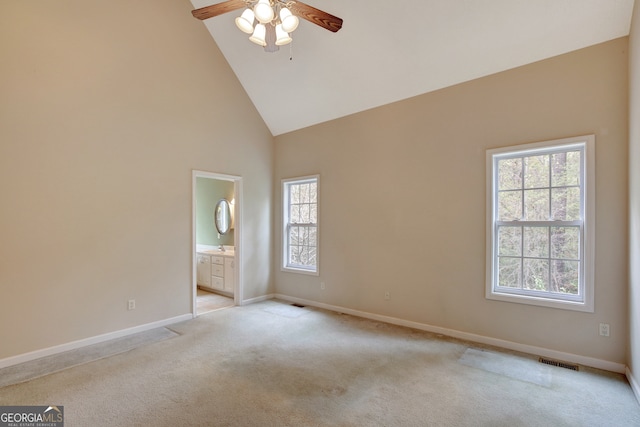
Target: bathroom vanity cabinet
216,271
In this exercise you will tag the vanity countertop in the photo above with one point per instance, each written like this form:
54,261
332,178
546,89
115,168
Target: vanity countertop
215,250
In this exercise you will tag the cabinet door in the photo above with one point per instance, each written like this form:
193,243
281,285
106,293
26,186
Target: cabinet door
229,274
204,270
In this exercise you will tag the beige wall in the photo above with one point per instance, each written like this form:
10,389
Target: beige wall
403,200
634,197
106,109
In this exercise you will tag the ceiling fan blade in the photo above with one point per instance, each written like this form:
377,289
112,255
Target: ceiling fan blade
316,16
218,9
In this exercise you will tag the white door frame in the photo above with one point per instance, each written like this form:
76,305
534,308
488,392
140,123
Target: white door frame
238,288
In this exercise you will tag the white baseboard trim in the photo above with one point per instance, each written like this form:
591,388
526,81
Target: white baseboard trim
257,299
635,386
524,348
37,354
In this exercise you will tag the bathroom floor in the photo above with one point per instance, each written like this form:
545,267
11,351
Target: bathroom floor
208,301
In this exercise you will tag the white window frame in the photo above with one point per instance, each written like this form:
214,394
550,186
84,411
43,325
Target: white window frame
585,300
286,225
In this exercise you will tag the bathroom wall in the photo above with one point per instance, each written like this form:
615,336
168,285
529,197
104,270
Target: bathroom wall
208,193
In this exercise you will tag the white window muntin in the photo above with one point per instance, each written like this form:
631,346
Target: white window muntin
583,300
288,263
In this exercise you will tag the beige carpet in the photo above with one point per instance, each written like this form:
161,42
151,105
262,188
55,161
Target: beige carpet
47,365
272,364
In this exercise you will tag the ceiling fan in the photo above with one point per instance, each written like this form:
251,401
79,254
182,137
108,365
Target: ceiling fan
276,19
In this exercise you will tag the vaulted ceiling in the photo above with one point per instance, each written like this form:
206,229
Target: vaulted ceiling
387,51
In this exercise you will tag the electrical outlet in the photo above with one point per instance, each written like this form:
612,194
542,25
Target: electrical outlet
604,329
322,286
387,295
132,304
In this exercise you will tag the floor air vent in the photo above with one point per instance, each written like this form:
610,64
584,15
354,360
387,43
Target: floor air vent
558,363
298,305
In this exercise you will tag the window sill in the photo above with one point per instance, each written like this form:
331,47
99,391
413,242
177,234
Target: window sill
541,302
300,271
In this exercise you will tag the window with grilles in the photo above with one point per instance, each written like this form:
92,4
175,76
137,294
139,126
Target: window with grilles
540,199
300,224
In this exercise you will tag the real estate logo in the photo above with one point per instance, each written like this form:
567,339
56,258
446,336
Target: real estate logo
31,416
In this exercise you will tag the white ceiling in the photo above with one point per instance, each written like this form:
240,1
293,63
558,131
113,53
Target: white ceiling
387,51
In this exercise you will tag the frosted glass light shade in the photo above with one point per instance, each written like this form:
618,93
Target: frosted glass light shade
289,21
258,36
245,21
282,37
263,11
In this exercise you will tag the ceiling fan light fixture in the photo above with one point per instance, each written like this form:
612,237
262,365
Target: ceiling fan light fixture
258,36
245,21
260,18
282,37
289,21
263,11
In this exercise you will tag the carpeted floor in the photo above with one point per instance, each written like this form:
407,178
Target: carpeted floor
47,365
273,364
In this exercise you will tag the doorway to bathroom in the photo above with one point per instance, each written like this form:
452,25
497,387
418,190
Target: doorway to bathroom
216,237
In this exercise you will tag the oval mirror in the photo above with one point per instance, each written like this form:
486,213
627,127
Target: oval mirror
222,216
